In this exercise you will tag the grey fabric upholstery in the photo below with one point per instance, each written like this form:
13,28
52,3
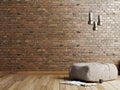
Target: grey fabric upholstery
93,71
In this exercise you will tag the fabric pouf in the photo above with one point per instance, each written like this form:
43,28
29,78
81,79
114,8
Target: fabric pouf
93,71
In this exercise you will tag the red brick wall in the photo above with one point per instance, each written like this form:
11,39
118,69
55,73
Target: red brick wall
53,34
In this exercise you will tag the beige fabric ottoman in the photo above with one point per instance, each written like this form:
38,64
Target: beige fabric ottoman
93,71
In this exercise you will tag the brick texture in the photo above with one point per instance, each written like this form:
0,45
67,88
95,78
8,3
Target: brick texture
53,34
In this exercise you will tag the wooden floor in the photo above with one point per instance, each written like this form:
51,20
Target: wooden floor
28,81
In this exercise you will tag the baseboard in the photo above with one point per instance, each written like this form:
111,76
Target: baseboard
38,72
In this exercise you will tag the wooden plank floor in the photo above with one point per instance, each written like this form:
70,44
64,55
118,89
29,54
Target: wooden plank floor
24,81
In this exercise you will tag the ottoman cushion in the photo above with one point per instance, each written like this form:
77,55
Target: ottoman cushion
93,71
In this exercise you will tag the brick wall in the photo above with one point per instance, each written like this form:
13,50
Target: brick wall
53,34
